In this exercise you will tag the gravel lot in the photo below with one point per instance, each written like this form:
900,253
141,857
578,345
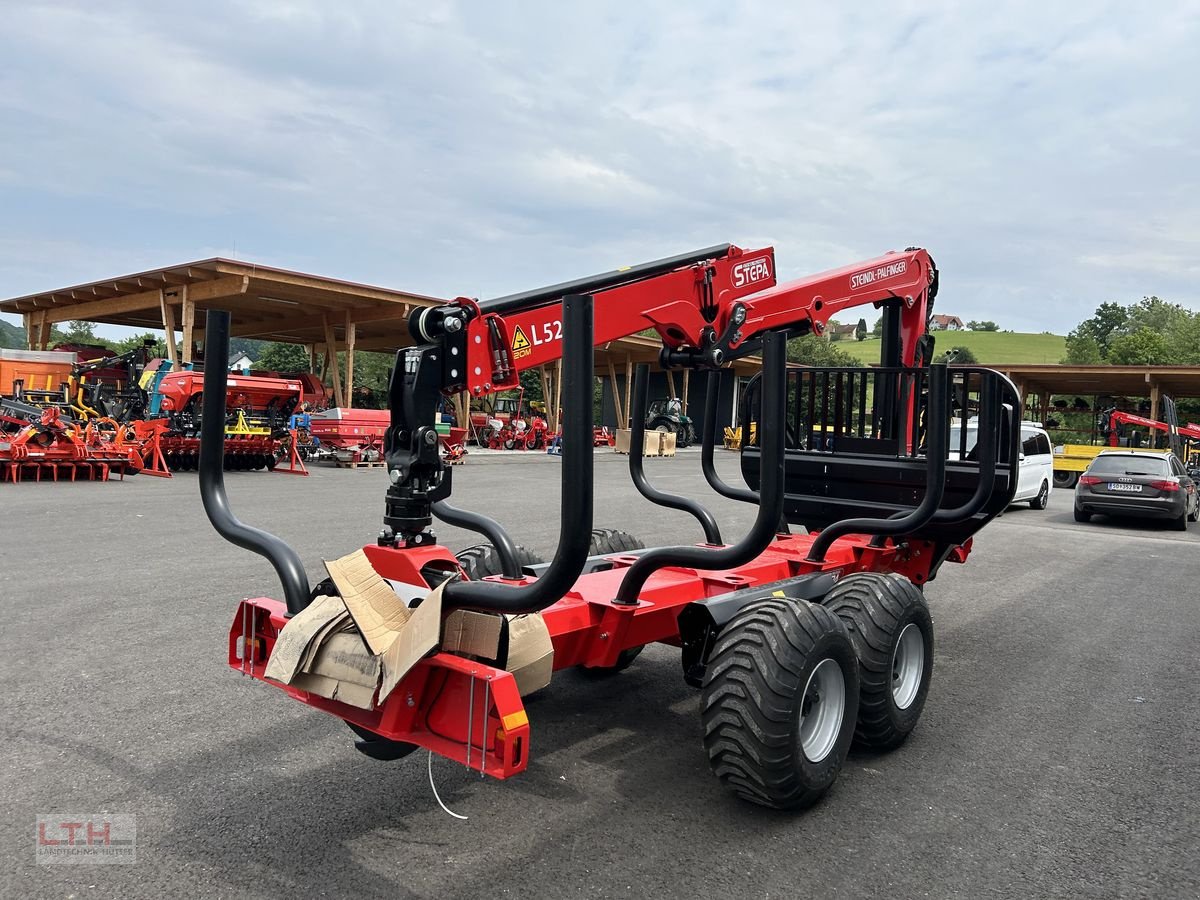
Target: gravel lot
1057,755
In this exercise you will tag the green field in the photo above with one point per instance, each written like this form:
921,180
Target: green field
989,347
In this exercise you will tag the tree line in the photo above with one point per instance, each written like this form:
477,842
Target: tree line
1151,332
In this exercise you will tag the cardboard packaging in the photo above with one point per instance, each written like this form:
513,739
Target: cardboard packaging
356,647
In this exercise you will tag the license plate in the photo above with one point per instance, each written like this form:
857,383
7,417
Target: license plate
1127,488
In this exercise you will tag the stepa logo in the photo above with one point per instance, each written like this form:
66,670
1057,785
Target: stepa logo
751,271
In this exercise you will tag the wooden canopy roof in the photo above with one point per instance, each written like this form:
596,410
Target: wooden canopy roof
267,304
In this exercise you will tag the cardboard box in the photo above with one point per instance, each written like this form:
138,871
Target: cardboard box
518,644
623,437
358,646
667,447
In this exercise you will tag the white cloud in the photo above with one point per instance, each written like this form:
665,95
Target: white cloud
1046,156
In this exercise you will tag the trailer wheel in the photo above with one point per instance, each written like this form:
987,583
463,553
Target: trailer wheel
892,632
605,542
780,699
481,561
1065,479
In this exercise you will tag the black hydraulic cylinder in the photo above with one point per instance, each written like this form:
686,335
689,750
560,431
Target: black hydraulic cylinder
212,474
637,441
575,527
604,281
770,510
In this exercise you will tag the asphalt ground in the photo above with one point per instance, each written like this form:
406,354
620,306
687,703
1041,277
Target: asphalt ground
1057,754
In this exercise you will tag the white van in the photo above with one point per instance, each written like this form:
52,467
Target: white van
1035,478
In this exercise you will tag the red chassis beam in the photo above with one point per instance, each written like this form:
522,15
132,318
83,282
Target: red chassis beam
586,628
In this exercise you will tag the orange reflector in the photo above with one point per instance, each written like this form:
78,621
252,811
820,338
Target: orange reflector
514,720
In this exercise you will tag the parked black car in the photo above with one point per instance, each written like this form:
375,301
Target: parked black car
1137,483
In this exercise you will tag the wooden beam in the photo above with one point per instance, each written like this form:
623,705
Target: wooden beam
557,396
349,360
189,323
43,340
284,323
628,385
168,324
27,318
671,384
209,290
686,373
331,346
616,390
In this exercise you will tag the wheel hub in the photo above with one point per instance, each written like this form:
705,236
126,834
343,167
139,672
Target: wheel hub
822,710
908,665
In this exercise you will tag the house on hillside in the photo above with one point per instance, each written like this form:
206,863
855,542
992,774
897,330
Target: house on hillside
841,332
947,323
243,363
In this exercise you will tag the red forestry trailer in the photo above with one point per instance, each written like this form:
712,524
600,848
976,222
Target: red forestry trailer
803,635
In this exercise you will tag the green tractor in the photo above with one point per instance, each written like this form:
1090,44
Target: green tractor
667,415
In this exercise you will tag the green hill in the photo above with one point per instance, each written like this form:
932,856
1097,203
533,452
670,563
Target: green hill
12,336
989,347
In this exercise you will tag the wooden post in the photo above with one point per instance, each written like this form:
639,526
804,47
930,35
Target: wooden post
168,320
557,396
1155,396
628,386
43,333
311,350
616,393
331,347
670,384
686,373
189,324
546,392
27,318
349,360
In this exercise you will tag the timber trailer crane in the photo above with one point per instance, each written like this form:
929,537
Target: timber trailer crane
809,632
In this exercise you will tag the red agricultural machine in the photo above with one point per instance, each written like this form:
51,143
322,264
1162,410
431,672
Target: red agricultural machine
42,444
261,407
807,633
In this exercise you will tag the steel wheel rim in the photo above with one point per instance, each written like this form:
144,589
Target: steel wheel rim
908,664
822,708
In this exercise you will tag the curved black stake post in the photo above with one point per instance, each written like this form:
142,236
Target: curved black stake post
986,441
935,476
212,475
506,548
708,442
637,445
770,511
575,527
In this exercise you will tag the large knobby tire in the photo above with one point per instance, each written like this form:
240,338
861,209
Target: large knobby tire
605,542
481,561
780,699
892,632
1042,498
1065,479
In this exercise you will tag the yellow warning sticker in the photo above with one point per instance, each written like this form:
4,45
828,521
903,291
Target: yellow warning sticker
519,341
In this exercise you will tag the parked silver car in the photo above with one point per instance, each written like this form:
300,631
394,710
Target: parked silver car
1137,483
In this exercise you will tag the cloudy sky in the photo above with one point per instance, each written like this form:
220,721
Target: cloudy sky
1048,154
